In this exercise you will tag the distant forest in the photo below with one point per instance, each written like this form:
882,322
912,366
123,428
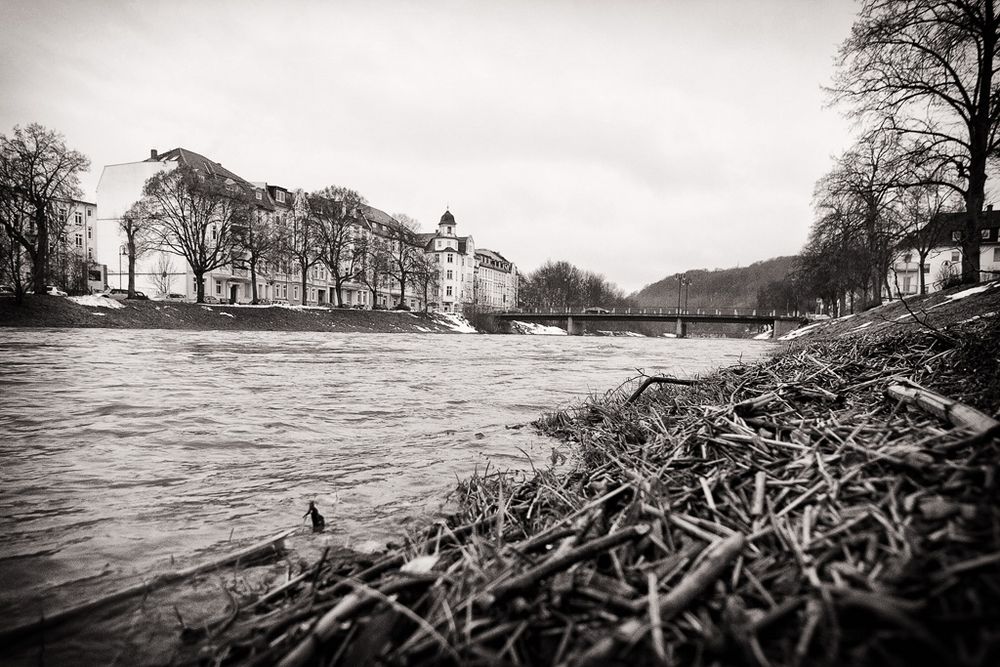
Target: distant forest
768,284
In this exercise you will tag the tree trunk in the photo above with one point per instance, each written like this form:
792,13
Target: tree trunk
922,257
402,287
41,256
305,279
253,281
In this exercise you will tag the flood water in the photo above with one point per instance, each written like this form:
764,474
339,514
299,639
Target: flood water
122,451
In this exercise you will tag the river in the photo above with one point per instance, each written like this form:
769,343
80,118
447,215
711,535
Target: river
123,452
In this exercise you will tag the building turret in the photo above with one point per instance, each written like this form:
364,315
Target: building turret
447,225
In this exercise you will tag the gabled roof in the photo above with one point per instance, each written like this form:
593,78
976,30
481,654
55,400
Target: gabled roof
377,216
948,223
198,162
495,256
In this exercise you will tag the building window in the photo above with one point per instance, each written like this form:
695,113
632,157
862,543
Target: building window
295,292
280,196
451,258
447,290
218,287
78,218
90,232
996,254
79,240
449,274
90,254
907,258
90,212
906,284
215,233
449,230
956,256
259,194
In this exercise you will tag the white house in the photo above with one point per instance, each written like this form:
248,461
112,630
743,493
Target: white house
943,260
456,258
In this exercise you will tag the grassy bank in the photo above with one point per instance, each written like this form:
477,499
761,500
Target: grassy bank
60,312
785,513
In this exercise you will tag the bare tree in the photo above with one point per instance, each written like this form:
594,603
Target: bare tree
865,182
426,276
374,253
163,277
258,241
301,241
139,227
926,71
37,172
922,205
196,215
402,251
335,209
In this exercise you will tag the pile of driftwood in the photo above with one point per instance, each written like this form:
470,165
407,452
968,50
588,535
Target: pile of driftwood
824,507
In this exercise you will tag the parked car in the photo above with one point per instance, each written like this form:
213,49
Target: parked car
358,306
139,296
173,296
114,293
211,299
400,306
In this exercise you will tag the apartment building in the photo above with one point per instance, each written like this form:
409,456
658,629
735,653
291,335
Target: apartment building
496,281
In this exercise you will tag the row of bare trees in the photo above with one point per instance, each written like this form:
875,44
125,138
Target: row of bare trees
213,222
563,285
919,78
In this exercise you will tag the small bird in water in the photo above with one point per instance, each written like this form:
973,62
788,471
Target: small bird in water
318,521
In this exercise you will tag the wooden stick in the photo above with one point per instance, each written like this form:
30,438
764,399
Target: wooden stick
959,414
656,379
561,562
697,581
248,553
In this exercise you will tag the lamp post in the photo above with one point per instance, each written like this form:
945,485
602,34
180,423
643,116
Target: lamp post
687,284
680,283
122,252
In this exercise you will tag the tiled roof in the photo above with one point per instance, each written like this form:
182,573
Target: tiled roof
198,162
955,222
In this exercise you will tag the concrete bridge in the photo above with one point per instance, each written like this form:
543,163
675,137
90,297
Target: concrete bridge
574,319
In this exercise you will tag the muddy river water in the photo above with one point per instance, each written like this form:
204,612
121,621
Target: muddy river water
124,451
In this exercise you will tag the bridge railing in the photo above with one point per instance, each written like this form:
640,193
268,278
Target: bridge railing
669,311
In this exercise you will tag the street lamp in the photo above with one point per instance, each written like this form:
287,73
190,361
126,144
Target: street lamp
687,284
122,252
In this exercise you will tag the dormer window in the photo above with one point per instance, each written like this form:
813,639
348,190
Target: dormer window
260,195
280,196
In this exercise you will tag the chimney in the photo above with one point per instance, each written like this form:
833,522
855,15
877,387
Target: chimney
989,207
152,154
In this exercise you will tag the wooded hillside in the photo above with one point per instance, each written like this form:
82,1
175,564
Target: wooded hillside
762,284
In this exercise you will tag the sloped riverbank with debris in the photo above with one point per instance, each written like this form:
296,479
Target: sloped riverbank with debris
830,506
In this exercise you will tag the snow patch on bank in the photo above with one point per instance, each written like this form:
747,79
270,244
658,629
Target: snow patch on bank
765,335
802,331
454,321
94,301
533,329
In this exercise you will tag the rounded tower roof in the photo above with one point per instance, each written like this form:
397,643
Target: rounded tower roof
447,218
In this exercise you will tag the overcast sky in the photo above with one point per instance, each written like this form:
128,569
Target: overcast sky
635,139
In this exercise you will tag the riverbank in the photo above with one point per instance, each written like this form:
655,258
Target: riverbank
797,511
97,312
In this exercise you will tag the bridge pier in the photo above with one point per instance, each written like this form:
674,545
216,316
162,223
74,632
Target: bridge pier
571,328
681,328
781,327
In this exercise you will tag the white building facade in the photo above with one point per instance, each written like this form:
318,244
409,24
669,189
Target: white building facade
943,262
496,281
